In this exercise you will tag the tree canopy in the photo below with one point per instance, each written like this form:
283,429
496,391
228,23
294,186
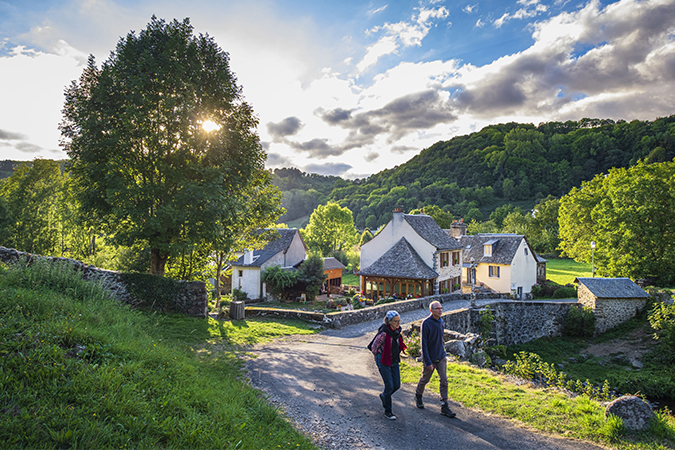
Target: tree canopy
629,214
144,165
330,228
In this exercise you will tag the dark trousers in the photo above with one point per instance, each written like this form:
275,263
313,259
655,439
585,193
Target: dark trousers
391,375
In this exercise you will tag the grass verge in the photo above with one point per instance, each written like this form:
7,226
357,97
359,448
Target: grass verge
547,410
564,271
79,370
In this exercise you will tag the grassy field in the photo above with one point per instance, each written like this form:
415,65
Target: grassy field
80,370
564,271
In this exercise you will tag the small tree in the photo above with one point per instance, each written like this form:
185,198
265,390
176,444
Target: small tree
311,274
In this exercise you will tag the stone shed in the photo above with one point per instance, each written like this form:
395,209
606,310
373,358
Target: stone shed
614,300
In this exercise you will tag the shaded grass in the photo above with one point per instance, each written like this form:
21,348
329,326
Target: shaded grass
548,410
78,369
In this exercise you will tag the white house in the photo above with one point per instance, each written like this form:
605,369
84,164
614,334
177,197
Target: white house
411,255
504,263
286,250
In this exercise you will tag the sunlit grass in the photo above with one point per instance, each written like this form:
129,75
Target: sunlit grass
564,271
548,410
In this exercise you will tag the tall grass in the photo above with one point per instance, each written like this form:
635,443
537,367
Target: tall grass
80,370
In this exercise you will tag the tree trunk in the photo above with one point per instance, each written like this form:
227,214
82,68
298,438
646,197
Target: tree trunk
219,268
157,261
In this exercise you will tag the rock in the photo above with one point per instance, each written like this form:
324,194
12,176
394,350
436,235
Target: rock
337,325
459,349
635,412
637,364
561,366
572,360
481,359
499,362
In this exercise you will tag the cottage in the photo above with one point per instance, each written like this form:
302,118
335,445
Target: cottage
333,271
411,255
502,263
613,300
286,249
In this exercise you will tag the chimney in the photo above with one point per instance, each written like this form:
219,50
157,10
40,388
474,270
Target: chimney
397,220
248,257
458,229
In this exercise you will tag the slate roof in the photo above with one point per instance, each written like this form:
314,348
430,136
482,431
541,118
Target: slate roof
612,287
273,247
400,261
504,247
429,230
332,263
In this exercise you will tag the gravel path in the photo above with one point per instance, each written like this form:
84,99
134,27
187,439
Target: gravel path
328,386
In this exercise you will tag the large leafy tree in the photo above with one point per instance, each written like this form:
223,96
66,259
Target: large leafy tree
331,227
629,214
32,196
145,166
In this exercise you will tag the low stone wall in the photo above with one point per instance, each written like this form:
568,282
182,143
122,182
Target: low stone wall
193,300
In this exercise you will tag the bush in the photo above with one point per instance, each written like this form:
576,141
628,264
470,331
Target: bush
579,322
565,292
413,343
662,319
485,322
239,296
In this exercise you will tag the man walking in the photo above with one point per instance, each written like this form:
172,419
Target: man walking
434,357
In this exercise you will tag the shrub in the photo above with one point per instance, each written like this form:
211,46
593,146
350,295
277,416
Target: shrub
565,292
485,322
662,319
278,280
579,322
238,295
413,343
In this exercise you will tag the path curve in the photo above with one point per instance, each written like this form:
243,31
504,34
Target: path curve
328,385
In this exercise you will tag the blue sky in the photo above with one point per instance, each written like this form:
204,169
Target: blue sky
350,88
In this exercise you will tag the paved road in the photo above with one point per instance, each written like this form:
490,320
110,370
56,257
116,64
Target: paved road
328,385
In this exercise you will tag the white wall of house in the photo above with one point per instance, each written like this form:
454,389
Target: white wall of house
451,271
248,282
390,235
500,284
296,252
523,269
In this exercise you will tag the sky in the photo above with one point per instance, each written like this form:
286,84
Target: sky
350,88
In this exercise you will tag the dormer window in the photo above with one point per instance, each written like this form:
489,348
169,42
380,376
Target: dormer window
488,249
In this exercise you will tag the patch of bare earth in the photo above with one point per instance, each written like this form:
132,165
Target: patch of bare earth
631,347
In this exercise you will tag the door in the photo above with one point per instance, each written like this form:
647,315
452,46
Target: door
520,292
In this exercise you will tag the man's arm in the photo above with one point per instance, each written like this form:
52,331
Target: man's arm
424,339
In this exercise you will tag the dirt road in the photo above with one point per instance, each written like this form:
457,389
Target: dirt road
328,385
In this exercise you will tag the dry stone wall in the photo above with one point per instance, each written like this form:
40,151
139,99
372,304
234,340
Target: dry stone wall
192,300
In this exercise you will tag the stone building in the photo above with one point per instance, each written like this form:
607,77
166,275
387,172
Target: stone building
613,300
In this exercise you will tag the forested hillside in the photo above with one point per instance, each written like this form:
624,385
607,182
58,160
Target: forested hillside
506,163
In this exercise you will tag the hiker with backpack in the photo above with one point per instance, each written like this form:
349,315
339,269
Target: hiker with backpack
387,347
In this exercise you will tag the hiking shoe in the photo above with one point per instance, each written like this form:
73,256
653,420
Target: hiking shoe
390,415
445,411
419,402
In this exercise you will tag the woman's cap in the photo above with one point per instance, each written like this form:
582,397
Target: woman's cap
391,314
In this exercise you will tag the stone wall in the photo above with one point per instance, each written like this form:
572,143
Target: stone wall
515,322
193,300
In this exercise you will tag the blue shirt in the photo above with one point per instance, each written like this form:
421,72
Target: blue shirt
431,334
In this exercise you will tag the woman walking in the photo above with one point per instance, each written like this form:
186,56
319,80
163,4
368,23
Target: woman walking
387,347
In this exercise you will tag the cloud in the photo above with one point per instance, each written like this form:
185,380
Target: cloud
334,116
372,156
531,8
337,169
378,10
277,160
10,136
401,149
287,127
27,147
470,8
406,34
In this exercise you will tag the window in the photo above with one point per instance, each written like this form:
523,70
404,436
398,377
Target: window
488,250
241,273
493,271
455,258
525,251
445,259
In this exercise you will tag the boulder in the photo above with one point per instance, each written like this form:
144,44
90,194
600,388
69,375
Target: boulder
481,359
459,349
635,412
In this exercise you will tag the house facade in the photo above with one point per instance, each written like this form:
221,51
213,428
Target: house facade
503,263
411,255
286,249
333,271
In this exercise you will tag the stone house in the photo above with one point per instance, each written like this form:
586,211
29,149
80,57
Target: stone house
410,256
285,249
613,300
504,263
